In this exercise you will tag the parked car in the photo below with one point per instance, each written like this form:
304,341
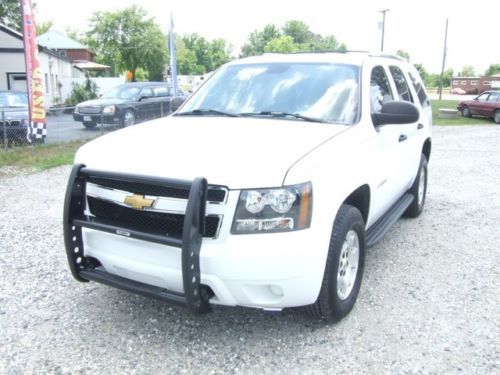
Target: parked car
14,116
129,104
263,190
458,91
487,104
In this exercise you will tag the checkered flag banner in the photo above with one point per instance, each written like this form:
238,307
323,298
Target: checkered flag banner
38,130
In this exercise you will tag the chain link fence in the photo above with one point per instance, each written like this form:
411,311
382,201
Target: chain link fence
85,122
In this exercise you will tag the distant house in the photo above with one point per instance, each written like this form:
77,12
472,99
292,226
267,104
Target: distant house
80,55
55,67
476,85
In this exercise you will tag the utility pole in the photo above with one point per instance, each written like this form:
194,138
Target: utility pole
444,61
383,28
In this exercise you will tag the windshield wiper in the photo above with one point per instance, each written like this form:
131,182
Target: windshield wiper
283,114
202,112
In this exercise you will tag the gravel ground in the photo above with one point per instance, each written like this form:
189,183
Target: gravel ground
428,303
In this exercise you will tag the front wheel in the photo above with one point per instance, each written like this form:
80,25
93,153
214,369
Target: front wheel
466,112
128,118
344,267
418,190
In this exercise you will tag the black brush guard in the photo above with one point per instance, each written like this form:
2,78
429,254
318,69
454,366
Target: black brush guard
195,295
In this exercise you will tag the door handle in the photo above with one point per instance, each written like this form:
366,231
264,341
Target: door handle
403,138
420,126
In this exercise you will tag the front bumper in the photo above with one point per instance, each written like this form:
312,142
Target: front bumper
269,271
97,118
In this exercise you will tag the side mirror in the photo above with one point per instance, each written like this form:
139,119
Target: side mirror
396,113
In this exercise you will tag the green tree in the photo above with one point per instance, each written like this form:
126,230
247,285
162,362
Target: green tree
10,14
492,70
281,44
421,70
258,40
468,71
127,40
405,55
198,55
447,76
302,38
43,27
298,30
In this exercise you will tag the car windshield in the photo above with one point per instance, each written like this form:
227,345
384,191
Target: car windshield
13,99
122,92
319,91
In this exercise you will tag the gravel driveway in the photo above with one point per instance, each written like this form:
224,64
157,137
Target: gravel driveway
429,300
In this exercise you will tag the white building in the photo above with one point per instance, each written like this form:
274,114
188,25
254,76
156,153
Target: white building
55,67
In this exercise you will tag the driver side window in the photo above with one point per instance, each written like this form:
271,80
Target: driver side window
380,89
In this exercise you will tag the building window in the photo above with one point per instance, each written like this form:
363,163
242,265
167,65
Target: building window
46,83
464,83
456,83
473,83
487,83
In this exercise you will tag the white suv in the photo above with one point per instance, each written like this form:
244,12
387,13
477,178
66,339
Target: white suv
263,190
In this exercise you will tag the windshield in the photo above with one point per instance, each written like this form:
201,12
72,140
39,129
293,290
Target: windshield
13,99
322,91
122,92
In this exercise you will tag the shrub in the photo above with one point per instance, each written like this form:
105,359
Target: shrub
82,92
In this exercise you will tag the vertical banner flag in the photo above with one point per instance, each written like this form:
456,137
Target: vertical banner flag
37,126
173,57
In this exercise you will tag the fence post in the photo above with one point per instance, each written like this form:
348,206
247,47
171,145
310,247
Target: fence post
4,126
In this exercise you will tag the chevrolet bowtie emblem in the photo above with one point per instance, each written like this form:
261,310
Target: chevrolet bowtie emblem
139,202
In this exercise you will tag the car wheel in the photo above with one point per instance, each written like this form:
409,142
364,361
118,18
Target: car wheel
344,267
89,124
128,118
497,116
466,112
418,190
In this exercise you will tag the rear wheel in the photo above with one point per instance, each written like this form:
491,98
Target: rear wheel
344,267
466,112
89,124
497,116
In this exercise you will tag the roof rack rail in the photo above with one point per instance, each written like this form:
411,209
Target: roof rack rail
320,51
387,55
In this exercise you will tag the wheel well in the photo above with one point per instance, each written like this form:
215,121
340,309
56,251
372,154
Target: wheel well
426,150
360,198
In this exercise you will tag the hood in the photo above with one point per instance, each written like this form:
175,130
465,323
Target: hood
234,152
101,101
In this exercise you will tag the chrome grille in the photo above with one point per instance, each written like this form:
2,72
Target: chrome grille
89,110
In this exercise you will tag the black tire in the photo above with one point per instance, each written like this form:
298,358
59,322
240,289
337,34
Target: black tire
89,124
497,116
417,206
329,306
466,112
128,118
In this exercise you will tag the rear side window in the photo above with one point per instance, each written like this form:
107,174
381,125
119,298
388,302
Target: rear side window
494,97
380,90
161,91
419,88
401,84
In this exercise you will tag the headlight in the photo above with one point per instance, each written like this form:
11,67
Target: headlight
109,110
273,210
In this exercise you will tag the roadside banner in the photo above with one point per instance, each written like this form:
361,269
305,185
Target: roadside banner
38,121
173,57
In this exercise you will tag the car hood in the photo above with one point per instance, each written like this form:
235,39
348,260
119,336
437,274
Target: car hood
102,102
235,152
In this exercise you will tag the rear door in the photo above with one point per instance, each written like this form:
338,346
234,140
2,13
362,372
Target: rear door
492,104
146,105
163,100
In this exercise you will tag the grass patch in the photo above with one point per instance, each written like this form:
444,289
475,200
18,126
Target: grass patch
41,156
452,104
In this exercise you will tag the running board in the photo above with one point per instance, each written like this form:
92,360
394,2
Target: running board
382,226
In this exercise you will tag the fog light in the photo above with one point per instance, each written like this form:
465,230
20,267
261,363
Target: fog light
276,290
